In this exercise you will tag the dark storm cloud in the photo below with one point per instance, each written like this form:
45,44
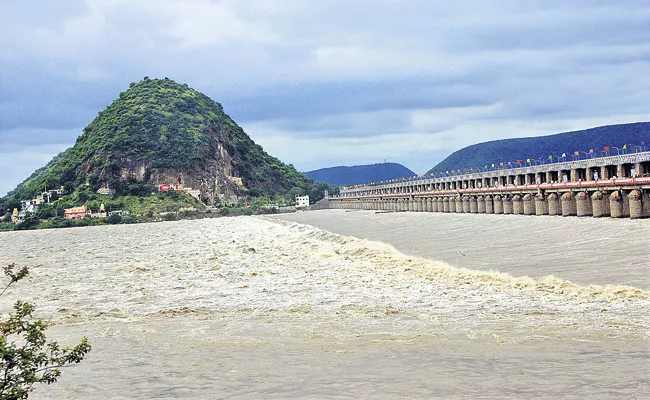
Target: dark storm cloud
325,83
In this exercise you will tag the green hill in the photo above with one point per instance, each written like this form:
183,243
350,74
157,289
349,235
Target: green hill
541,147
360,173
162,132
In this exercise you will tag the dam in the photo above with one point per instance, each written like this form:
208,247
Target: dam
611,186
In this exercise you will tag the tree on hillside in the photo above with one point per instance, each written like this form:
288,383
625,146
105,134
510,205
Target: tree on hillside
25,356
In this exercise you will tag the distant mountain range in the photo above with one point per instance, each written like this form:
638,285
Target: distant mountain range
360,173
510,150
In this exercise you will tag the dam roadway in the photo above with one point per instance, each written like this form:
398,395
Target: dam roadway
614,186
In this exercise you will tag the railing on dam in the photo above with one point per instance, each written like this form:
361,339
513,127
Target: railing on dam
559,186
638,166
617,187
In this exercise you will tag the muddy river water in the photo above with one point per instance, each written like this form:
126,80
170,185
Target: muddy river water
345,305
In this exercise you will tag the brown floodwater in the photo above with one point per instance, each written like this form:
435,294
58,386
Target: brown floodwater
250,308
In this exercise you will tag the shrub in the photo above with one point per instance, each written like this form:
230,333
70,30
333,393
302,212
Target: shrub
114,219
27,358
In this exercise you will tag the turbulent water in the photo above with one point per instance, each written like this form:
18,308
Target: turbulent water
250,308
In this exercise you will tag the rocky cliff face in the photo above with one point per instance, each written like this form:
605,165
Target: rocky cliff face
213,176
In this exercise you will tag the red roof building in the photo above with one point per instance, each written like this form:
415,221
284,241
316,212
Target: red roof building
76,212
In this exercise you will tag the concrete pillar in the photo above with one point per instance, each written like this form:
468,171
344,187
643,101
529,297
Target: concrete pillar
568,205
528,204
600,204
541,205
507,204
498,204
517,205
636,204
554,207
473,205
645,203
480,202
489,204
430,203
439,207
616,204
583,205
445,204
465,200
459,204
411,205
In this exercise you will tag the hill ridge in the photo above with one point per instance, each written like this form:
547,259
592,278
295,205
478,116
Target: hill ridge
356,174
509,150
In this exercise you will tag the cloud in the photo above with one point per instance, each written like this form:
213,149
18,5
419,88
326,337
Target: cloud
337,82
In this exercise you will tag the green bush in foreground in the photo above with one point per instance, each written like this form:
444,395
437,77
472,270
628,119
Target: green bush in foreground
25,356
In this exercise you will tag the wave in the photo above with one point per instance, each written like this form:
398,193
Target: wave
384,255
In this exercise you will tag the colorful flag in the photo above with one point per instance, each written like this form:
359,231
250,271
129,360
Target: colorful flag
563,154
625,146
528,160
492,165
501,164
606,148
591,151
550,157
576,153
518,162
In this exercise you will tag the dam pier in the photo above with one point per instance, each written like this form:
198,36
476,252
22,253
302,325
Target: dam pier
613,186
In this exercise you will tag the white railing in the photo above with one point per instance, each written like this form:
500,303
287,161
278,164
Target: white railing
596,162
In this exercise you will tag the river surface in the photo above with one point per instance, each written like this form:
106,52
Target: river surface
404,306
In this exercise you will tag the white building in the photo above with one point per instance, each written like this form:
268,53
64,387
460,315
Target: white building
302,201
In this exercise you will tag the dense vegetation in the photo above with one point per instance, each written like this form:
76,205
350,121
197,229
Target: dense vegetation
360,173
166,126
510,150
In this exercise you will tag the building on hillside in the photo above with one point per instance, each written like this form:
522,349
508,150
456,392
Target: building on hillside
164,187
76,212
119,212
102,212
196,193
106,191
15,216
302,201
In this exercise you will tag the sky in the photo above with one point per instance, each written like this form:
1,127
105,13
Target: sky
326,83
